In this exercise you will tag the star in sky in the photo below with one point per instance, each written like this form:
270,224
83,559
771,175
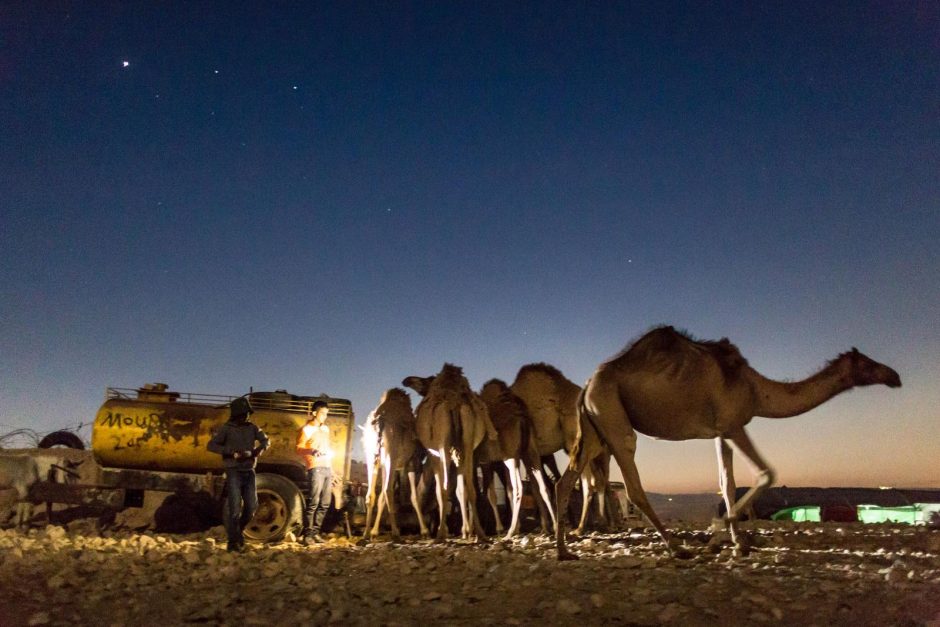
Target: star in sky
125,63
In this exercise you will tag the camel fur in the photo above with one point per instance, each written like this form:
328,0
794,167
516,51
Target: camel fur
515,447
552,402
452,421
669,386
390,440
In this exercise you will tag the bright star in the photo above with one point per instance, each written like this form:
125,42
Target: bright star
125,63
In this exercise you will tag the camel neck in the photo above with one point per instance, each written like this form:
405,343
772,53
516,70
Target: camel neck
779,399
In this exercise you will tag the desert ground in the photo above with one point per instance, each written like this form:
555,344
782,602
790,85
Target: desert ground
798,574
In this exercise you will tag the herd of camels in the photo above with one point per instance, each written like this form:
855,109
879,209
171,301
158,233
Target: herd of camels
665,385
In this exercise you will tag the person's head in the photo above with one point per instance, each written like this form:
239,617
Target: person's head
240,409
319,411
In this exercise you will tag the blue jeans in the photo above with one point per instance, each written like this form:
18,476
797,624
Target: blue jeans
242,503
318,498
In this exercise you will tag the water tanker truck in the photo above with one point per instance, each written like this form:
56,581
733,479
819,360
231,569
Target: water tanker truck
154,439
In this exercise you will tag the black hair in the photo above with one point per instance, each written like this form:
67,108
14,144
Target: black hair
317,405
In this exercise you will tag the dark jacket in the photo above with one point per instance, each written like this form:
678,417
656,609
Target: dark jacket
238,436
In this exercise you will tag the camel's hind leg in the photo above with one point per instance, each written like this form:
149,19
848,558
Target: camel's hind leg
765,478
367,532
545,502
728,489
617,432
412,483
562,495
587,494
390,498
515,478
489,488
440,491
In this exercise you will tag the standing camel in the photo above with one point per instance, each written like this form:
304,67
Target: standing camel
552,401
391,444
669,386
514,447
452,421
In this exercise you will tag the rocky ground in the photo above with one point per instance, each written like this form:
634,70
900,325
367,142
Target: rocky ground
799,574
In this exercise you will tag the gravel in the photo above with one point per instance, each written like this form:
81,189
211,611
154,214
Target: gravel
798,573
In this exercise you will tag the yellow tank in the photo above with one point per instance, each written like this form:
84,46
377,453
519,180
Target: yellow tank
152,428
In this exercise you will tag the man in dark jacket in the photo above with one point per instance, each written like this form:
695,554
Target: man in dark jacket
235,442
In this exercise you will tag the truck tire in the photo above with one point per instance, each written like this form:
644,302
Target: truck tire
279,508
62,438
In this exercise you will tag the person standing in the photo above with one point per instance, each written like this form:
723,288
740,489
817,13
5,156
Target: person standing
235,442
314,446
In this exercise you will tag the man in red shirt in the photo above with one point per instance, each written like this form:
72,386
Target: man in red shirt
313,445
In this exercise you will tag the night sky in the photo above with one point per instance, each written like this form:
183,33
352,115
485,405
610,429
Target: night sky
333,196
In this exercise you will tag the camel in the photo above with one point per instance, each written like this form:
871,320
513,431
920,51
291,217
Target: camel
514,447
452,421
552,401
391,444
669,386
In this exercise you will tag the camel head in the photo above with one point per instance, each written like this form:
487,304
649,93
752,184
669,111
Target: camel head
449,378
493,389
863,370
421,385
395,396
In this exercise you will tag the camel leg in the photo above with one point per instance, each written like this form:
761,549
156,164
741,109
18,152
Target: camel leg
370,503
603,520
462,499
515,479
728,488
765,477
621,439
390,498
489,488
562,494
440,491
545,503
415,504
467,471
600,488
380,509
586,495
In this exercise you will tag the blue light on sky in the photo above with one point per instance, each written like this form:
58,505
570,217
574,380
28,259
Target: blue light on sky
328,199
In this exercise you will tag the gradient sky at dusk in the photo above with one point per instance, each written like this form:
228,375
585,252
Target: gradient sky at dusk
333,196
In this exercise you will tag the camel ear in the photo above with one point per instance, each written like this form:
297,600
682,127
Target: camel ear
854,351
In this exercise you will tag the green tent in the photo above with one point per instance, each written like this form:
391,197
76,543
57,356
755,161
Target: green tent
804,513
909,514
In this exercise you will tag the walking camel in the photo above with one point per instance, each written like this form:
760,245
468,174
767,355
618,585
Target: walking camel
552,401
514,447
668,386
390,441
452,421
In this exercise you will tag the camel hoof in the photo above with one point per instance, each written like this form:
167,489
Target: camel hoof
741,549
567,556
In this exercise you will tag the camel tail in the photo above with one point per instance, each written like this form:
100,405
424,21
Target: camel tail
578,449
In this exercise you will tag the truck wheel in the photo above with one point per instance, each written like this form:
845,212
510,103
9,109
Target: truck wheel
279,508
62,438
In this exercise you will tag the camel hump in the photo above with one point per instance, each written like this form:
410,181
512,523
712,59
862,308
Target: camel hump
669,350
728,356
539,368
655,342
